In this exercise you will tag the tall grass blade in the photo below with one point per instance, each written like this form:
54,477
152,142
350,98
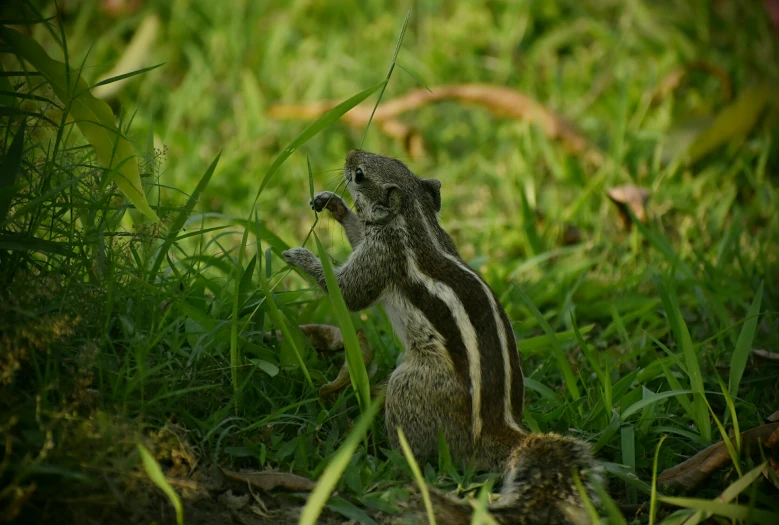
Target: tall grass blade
357,371
562,361
332,473
628,434
93,117
412,463
181,219
317,126
653,497
682,336
730,493
389,75
728,510
12,161
738,362
155,474
235,358
281,324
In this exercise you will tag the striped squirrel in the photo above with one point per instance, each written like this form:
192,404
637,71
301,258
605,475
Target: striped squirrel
461,371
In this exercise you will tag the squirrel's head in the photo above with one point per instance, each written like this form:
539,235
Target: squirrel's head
384,188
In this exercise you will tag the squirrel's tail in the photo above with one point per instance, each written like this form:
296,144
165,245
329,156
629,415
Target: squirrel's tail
538,487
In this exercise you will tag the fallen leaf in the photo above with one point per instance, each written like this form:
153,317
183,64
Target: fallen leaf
271,480
630,197
501,101
689,474
735,120
134,57
682,134
343,378
674,79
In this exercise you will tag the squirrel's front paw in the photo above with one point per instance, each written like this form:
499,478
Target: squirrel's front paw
299,257
331,201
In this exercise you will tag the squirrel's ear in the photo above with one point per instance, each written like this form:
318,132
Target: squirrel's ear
392,196
384,210
433,188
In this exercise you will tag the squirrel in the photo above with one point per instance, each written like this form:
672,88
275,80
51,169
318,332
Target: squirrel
461,371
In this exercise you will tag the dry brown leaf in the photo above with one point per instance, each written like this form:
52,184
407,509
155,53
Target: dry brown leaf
772,475
271,480
343,375
630,197
501,101
674,79
689,474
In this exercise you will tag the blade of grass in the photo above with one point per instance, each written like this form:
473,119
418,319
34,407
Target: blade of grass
278,321
734,455
318,125
357,371
588,506
651,399
332,473
541,342
738,362
155,474
414,466
728,510
235,358
603,377
562,361
682,336
126,75
730,493
481,515
653,497
612,511
389,74
12,161
629,456
175,228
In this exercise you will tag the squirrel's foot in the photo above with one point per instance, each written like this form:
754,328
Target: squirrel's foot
332,201
343,379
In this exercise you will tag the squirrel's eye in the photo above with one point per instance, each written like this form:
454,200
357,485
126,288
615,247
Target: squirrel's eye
358,175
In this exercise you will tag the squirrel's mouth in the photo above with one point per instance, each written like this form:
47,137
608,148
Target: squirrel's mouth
358,206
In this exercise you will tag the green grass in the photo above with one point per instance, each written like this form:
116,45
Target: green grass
117,331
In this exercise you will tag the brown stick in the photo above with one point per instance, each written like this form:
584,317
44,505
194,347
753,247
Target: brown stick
691,473
499,100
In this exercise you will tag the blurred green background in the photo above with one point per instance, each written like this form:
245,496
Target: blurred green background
596,63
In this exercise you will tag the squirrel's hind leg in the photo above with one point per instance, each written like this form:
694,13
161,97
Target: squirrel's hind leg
423,399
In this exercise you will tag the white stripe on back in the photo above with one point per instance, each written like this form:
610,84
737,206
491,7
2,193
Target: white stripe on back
508,413
467,332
